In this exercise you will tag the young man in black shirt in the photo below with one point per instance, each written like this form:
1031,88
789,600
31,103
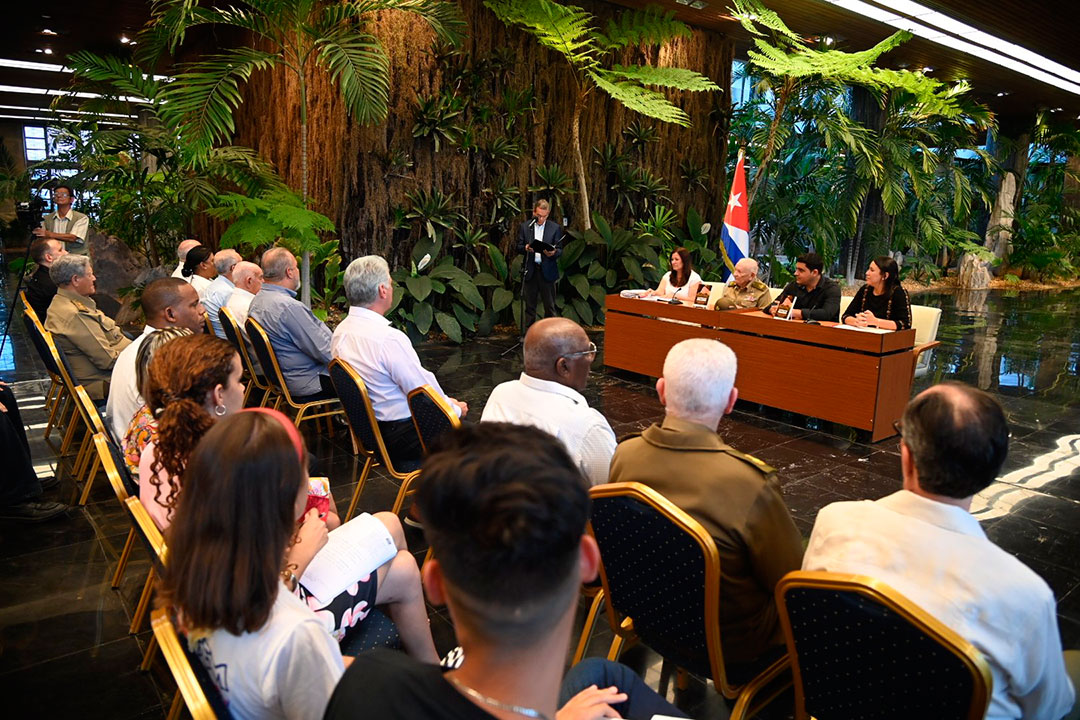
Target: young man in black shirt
812,295
505,513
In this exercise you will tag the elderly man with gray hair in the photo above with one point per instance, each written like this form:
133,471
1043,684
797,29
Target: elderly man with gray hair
744,290
181,254
300,340
383,356
735,496
220,288
89,338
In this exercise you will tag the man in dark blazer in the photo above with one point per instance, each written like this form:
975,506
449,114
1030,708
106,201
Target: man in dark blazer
541,266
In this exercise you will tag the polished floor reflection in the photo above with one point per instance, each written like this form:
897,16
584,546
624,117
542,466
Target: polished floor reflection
64,643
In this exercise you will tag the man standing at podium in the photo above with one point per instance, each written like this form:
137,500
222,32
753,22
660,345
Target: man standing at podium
541,268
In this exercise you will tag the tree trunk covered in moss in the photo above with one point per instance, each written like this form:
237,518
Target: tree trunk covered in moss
348,163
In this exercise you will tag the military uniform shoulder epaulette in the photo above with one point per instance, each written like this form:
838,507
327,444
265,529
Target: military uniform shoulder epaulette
731,283
760,465
79,306
627,436
758,285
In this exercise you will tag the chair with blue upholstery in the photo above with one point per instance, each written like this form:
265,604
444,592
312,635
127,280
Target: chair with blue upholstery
366,437
660,571
195,688
431,415
57,395
859,649
231,328
116,471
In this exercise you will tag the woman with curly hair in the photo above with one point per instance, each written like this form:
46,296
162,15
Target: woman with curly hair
194,382
142,429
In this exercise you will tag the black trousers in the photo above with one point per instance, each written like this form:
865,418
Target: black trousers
402,443
19,483
535,284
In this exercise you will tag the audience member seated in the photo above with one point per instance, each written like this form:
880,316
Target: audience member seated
882,302
20,488
143,427
40,288
735,496
923,541
199,269
191,382
221,288
383,356
744,290
248,278
505,515
811,295
682,282
166,303
558,355
235,550
181,254
300,340
90,340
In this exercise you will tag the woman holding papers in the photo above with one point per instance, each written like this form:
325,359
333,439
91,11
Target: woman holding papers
682,282
882,302
234,530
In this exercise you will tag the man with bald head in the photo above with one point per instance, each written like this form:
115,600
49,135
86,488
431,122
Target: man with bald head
219,290
248,278
166,302
40,289
923,541
744,290
181,254
384,357
558,355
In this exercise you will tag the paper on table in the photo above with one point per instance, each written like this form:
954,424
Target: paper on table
879,331
352,551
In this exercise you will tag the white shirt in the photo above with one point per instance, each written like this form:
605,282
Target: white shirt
286,669
238,304
124,398
198,282
538,234
64,225
385,359
179,271
560,411
683,293
217,294
938,556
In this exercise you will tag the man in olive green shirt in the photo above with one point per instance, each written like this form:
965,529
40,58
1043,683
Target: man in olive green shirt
91,341
735,497
744,290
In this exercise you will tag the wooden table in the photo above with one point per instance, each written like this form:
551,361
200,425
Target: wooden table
860,379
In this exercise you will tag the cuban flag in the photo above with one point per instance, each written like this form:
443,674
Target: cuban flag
736,232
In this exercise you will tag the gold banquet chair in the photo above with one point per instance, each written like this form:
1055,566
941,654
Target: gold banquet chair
123,487
57,395
364,428
859,648
194,688
264,351
431,415
155,542
231,328
87,461
643,536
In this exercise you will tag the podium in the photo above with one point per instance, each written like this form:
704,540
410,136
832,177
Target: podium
859,379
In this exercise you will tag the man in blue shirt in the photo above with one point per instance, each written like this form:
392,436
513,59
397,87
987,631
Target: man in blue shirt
220,288
300,340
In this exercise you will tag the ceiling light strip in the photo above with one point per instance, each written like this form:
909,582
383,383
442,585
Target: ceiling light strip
67,112
53,92
51,67
47,119
949,41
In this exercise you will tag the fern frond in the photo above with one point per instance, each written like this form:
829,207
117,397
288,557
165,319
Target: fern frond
357,63
651,26
562,28
639,99
669,77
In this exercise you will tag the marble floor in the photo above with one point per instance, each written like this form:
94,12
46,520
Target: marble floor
65,650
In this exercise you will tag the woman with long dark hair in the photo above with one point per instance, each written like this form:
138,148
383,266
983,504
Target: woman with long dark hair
682,283
882,302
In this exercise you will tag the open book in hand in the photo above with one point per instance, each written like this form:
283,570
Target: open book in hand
353,551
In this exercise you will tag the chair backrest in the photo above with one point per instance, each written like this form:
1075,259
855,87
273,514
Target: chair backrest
200,694
264,351
844,302
148,531
431,414
89,411
925,321
359,412
861,649
115,468
661,569
26,303
716,291
232,333
775,293
37,335
209,325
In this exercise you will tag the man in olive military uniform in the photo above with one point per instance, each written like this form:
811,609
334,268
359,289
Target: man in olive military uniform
744,290
90,339
736,497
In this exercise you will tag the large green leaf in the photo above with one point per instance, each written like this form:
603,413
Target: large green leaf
464,317
501,298
639,99
581,307
486,280
468,290
634,268
419,287
449,325
498,261
357,63
422,314
596,270
596,292
668,77
571,252
562,28
487,322
581,284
